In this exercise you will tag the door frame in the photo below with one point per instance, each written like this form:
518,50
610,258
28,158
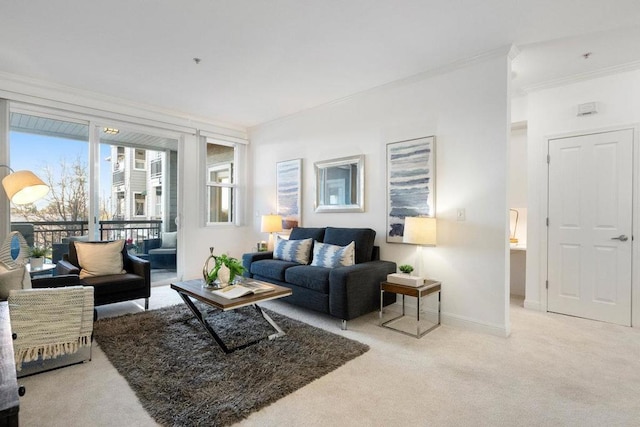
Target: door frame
544,212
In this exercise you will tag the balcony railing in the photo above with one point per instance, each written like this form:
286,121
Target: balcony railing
48,233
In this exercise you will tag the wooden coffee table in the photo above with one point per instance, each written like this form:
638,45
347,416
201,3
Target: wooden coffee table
195,289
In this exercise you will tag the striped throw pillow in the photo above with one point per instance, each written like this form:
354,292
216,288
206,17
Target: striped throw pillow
292,250
331,256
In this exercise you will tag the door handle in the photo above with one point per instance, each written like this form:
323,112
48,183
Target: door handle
621,237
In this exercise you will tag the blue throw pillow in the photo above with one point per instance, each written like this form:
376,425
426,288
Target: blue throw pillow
331,256
292,250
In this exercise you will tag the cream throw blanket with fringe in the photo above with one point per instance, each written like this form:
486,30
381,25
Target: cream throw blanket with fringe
50,322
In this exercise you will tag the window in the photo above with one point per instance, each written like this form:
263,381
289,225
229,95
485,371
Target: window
140,202
120,208
140,159
221,183
158,203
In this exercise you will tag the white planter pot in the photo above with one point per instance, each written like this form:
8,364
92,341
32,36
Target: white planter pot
36,263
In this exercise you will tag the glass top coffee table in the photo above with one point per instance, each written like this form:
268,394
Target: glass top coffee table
195,289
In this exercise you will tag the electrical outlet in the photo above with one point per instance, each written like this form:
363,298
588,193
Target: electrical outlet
461,214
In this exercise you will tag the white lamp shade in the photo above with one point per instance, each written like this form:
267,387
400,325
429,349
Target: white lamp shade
24,187
271,223
419,231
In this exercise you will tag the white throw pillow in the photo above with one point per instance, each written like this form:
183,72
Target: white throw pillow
100,259
169,240
331,256
17,278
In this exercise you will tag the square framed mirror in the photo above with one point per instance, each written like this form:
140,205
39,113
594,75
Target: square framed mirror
340,185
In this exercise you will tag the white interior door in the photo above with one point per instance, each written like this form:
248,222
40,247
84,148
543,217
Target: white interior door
590,226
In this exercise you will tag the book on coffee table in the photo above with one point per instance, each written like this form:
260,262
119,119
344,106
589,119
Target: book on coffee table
246,288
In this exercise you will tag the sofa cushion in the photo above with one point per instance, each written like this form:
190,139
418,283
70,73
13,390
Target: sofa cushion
297,251
363,237
271,268
331,256
310,277
162,251
299,233
100,259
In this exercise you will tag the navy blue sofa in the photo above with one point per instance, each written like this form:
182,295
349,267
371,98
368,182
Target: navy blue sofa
342,292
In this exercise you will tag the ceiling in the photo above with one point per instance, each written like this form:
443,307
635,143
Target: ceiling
262,60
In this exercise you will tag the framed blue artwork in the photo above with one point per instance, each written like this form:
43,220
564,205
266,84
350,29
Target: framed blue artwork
289,191
410,183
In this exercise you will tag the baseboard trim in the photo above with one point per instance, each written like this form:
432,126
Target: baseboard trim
452,319
473,325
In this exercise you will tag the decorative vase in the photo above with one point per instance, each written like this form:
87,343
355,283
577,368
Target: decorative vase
224,275
209,279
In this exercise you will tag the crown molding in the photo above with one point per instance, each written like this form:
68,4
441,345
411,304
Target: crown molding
39,92
575,78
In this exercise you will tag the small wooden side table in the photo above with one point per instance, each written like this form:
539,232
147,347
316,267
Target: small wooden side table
429,287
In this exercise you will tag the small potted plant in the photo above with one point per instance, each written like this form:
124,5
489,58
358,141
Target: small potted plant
406,269
224,271
37,255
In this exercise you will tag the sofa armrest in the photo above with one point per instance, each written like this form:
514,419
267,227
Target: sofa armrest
247,259
355,290
56,281
64,267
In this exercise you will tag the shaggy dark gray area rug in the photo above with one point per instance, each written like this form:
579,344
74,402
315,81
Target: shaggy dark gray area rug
183,378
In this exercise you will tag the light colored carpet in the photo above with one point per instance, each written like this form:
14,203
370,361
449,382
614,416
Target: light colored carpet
554,370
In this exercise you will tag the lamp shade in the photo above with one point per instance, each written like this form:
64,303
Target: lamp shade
24,187
419,230
271,223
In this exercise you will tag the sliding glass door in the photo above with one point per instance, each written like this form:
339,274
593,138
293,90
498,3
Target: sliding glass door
56,150
106,181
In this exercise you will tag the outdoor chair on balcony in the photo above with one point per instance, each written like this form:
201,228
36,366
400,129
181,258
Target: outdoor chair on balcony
59,249
162,252
115,274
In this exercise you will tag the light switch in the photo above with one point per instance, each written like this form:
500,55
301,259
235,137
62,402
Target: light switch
461,214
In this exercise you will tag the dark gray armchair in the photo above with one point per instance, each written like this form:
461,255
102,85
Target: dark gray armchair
135,283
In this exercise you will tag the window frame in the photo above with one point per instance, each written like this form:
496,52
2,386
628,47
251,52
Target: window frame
135,159
135,204
233,186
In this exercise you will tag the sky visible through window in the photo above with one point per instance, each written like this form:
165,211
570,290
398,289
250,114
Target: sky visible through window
34,152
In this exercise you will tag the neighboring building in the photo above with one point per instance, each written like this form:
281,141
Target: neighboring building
136,189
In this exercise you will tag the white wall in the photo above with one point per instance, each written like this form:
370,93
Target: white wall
197,237
467,109
552,112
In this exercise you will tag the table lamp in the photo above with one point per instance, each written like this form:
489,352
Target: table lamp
420,231
271,224
23,186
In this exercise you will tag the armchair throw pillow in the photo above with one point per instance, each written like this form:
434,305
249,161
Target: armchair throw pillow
292,250
100,259
331,256
10,279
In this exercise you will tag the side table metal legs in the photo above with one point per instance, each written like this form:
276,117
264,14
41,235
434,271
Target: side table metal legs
419,333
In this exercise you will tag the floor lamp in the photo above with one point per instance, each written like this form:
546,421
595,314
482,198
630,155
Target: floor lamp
271,224
420,231
23,187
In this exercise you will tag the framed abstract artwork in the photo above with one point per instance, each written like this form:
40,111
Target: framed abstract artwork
410,183
288,184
